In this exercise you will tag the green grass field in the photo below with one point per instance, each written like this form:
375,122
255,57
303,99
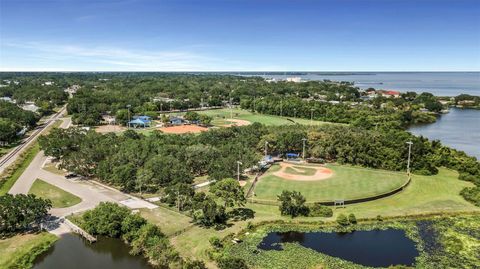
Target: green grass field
346,183
59,197
424,195
221,117
19,251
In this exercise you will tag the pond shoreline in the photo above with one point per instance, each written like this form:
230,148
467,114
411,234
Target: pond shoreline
418,229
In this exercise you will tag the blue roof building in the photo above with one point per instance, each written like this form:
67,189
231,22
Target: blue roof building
176,120
140,121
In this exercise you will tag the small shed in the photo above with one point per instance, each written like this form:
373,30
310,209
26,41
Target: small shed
176,121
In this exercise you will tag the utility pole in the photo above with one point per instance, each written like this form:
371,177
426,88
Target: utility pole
303,153
266,149
254,99
311,116
409,153
294,112
281,108
238,170
128,124
231,105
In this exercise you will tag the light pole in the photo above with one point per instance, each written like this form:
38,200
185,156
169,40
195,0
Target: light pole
128,124
409,143
281,108
303,153
266,149
238,170
294,112
311,116
231,105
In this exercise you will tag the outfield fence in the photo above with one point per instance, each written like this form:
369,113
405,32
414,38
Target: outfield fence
332,202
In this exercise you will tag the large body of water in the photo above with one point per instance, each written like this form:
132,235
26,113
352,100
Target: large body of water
377,248
438,83
459,129
72,252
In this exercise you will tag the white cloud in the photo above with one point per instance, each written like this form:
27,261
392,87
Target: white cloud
92,58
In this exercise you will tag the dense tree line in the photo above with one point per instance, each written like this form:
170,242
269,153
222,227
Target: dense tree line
397,113
150,93
12,120
146,239
22,213
32,88
138,163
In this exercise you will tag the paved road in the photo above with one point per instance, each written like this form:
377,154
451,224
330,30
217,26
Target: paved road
91,192
7,159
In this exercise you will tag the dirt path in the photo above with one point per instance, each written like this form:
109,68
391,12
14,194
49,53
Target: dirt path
321,173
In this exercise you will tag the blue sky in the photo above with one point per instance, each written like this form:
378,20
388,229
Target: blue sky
235,35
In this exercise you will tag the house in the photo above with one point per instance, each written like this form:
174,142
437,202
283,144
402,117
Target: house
7,99
176,120
30,106
163,99
108,119
48,83
389,94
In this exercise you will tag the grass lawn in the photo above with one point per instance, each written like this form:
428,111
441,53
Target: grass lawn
18,168
169,221
59,197
425,194
347,182
19,251
221,116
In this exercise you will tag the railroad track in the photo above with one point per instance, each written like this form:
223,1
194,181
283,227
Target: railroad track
39,129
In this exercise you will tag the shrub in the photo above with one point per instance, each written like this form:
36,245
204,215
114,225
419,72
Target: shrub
105,219
232,263
319,210
342,220
292,203
471,194
352,219
215,242
195,264
379,218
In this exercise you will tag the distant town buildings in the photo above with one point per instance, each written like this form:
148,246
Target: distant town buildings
294,79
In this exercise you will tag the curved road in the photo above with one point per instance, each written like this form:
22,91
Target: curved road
91,192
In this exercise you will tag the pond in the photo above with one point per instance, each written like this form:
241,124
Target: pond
376,248
73,252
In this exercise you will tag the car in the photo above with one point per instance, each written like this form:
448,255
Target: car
71,175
